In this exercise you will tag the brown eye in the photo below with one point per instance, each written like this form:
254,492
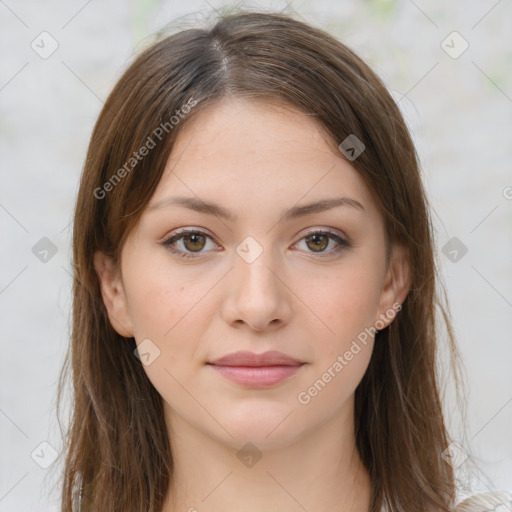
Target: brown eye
317,242
189,243
194,242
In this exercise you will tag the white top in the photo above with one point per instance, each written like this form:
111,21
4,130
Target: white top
484,502
480,502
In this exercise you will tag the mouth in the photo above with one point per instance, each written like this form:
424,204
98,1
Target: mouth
257,370
257,376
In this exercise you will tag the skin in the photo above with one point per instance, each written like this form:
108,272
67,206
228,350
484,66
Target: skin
257,159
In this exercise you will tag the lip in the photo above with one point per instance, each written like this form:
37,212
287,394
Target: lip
256,370
246,358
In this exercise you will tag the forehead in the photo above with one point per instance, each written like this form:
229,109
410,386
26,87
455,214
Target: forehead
251,152
252,130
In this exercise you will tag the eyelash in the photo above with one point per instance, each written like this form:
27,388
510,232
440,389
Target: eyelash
342,244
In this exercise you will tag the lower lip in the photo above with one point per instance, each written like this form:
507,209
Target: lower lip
257,376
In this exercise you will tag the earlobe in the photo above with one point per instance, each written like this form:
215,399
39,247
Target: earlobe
112,293
397,283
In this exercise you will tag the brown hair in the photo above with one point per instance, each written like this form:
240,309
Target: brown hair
118,454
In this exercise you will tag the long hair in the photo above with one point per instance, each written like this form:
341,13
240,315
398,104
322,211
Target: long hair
117,453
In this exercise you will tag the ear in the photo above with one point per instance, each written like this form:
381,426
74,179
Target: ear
112,293
396,286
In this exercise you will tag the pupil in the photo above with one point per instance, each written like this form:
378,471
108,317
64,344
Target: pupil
194,239
324,241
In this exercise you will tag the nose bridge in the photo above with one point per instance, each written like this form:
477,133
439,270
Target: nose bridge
255,280
255,294
257,277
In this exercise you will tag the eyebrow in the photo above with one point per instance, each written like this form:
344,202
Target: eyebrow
203,206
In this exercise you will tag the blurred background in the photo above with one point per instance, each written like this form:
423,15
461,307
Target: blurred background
447,64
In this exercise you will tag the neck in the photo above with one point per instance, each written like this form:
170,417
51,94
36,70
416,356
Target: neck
319,471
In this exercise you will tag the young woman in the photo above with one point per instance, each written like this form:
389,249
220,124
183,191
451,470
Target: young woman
255,287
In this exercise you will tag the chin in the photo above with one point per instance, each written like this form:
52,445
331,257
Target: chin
266,431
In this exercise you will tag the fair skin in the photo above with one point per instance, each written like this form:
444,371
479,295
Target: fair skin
257,160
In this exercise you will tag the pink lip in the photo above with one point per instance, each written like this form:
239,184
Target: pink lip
257,370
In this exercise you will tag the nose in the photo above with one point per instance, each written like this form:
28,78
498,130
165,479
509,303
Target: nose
257,295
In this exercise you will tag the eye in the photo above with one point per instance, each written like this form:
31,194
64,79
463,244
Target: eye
318,241
191,241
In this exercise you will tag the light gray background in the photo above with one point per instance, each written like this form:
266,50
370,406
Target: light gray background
460,113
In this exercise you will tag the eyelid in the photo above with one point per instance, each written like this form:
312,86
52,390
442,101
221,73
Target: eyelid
178,235
343,242
186,230
323,229
302,234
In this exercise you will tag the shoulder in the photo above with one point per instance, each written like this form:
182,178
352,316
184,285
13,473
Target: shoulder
484,502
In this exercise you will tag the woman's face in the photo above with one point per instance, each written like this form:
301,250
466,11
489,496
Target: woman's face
259,272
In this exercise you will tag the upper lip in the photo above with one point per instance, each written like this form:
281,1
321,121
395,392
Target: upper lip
245,358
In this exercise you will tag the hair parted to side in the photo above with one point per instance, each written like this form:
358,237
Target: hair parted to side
117,451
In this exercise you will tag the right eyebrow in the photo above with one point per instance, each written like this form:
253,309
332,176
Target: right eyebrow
210,208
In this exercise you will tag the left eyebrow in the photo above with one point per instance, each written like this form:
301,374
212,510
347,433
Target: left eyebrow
320,206
211,208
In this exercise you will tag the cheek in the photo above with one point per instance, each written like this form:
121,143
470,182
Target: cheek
348,307
156,308
161,297
348,304
349,301
173,309
167,309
